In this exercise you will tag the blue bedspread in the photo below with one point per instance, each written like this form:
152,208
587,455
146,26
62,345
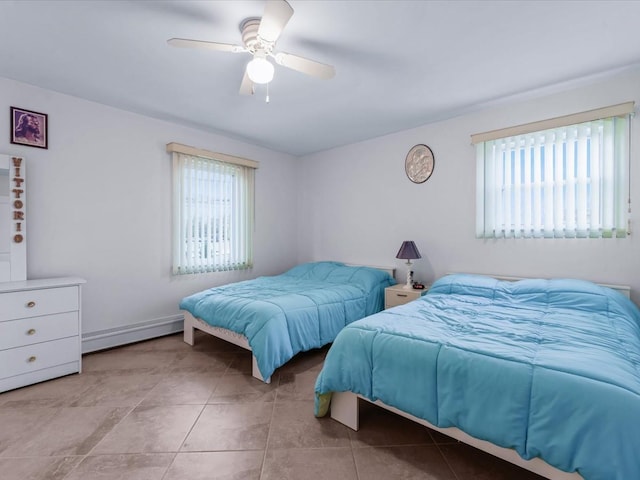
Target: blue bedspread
301,309
550,368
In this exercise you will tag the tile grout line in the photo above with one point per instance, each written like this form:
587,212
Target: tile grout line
266,445
353,456
351,433
204,406
446,460
132,408
74,468
84,457
175,454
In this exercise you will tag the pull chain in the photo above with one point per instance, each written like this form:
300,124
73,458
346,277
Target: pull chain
267,99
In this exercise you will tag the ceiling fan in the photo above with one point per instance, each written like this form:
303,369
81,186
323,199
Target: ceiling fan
259,37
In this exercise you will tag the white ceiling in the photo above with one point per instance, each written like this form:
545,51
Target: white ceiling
399,63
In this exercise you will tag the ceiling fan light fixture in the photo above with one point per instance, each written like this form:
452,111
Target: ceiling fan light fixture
259,37
260,70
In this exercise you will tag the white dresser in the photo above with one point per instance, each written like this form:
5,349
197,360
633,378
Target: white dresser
40,330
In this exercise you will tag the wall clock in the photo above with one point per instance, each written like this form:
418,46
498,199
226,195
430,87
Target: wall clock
419,163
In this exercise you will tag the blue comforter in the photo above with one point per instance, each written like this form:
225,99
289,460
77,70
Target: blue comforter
550,368
301,309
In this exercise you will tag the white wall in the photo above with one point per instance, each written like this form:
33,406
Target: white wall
99,206
99,203
356,203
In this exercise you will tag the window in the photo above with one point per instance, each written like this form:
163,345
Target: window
561,178
213,211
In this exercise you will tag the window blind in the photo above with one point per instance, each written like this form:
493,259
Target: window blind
569,181
213,214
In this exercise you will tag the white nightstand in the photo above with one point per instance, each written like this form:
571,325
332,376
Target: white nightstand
398,295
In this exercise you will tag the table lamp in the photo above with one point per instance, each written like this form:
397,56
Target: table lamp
408,251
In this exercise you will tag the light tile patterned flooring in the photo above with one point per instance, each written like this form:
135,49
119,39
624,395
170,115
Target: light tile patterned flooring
163,410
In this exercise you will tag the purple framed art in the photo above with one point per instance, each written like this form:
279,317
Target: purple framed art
29,128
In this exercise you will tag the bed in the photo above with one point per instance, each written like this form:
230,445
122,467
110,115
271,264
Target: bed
542,373
278,316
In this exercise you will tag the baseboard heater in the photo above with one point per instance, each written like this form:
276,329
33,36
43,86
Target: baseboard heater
117,336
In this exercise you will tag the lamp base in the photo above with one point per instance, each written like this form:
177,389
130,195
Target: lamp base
409,284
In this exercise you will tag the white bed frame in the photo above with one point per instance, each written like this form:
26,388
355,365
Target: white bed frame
191,323
345,409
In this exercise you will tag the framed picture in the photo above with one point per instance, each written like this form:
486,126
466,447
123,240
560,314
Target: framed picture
29,128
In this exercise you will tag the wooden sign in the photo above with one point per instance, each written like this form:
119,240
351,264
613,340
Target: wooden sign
17,199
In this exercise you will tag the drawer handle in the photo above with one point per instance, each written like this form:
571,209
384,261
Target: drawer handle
31,331
31,304
402,294
32,358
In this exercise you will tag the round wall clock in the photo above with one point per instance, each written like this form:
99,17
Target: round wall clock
419,163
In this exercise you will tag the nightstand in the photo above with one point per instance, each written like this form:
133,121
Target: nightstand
398,295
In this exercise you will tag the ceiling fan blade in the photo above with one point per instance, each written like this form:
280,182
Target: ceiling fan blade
221,47
246,87
275,17
304,65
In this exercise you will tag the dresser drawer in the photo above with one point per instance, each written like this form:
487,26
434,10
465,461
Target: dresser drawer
27,331
21,360
33,303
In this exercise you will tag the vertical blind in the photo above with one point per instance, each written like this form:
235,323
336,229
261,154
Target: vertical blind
213,215
568,182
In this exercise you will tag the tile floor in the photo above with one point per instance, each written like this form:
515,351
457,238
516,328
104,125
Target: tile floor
162,410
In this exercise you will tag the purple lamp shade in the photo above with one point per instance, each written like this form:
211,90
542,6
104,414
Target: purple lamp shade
408,251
